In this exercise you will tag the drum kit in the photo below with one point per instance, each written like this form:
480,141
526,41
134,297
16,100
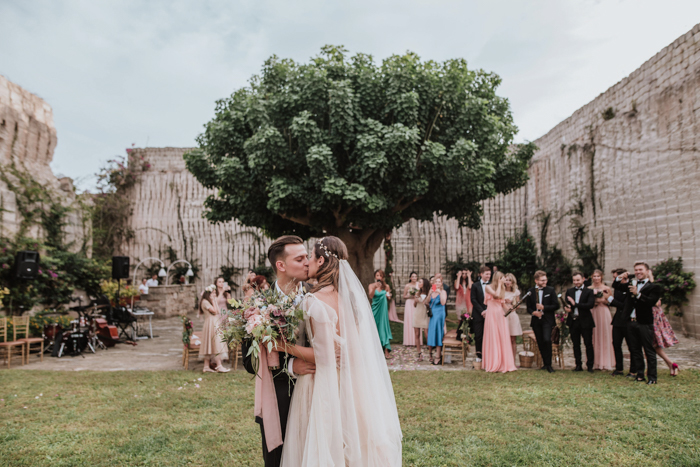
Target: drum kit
85,332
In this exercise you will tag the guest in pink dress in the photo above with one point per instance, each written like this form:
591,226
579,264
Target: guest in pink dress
603,352
409,332
511,298
664,337
463,288
497,350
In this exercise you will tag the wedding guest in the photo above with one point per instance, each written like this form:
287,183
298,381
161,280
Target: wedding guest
436,299
463,287
143,288
211,348
479,308
421,320
497,349
512,296
380,294
619,322
409,293
542,303
223,293
153,281
664,337
639,306
602,332
580,300
258,283
247,284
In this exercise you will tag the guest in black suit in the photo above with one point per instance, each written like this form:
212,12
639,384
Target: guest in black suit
542,304
289,258
580,299
619,322
479,308
639,305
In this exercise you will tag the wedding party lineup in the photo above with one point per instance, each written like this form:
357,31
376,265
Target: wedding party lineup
244,234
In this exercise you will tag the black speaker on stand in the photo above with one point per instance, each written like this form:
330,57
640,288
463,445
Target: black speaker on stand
27,265
120,267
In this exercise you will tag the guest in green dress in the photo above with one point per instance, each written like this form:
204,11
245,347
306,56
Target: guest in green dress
380,294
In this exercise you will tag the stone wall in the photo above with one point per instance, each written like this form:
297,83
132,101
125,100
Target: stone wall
27,142
169,300
633,171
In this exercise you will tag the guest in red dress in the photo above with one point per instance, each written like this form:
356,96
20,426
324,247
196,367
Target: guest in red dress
664,337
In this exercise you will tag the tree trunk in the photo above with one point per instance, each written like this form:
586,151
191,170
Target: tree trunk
362,245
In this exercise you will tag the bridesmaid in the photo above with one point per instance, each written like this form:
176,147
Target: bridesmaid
436,328
380,295
463,288
223,293
512,297
211,347
497,350
421,321
409,333
664,337
603,352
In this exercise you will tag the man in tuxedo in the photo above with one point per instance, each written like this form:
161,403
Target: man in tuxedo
580,300
619,322
479,307
641,299
542,303
290,261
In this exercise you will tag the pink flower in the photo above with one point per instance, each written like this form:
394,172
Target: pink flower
250,312
253,323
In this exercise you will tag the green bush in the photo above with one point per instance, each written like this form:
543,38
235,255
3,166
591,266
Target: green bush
676,283
519,257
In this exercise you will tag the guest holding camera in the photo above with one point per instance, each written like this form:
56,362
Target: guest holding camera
380,294
542,303
479,308
579,302
617,298
639,306
463,287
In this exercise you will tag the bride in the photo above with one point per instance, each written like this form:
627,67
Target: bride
344,414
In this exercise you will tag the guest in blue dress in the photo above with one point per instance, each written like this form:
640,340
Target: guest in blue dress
436,328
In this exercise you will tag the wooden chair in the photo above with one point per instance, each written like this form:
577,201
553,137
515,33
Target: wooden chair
190,349
530,345
10,348
558,355
451,346
236,352
21,327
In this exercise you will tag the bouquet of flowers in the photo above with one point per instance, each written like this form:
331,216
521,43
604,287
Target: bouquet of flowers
262,319
412,291
599,294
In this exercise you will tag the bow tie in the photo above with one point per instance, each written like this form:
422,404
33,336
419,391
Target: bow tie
579,288
642,282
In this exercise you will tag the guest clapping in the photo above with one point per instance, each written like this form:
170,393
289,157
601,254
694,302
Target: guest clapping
512,296
579,302
436,329
211,348
380,294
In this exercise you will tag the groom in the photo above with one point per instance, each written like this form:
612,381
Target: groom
479,307
290,261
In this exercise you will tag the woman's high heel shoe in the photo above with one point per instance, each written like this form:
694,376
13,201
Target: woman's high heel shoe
674,369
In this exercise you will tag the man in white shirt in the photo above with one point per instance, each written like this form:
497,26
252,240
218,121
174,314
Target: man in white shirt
143,287
153,281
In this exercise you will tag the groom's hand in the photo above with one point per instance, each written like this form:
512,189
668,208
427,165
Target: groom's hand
302,367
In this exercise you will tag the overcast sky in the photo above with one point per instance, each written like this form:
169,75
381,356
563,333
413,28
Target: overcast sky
148,72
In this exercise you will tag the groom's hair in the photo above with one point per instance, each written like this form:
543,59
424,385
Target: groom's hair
277,249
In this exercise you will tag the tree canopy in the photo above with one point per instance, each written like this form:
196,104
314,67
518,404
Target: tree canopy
343,146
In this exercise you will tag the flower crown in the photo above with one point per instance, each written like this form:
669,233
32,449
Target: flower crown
328,252
210,288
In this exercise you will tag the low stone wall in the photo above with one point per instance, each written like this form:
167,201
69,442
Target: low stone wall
170,300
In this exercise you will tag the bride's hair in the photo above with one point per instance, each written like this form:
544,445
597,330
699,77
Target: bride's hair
333,250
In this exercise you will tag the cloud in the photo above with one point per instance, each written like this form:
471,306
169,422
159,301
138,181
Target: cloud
149,72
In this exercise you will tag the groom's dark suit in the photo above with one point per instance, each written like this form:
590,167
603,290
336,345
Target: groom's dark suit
284,386
581,324
478,307
543,326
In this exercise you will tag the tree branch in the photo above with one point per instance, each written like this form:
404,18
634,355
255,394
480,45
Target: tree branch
306,220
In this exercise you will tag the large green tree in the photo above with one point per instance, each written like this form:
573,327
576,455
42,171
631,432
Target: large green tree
343,146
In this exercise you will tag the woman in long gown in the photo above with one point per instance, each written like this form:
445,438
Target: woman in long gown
603,352
409,333
211,348
463,288
223,295
497,351
421,320
436,328
345,414
511,298
380,293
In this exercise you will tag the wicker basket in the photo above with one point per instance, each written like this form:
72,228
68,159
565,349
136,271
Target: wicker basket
526,359
477,365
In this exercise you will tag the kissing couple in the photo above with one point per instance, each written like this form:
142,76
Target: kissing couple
335,405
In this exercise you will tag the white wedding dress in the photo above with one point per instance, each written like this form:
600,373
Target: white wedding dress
343,415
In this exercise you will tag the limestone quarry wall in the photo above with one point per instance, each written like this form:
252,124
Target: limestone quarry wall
634,171
27,142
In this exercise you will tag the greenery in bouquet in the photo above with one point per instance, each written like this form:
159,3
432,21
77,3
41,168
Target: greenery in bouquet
187,330
464,323
560,317
261,319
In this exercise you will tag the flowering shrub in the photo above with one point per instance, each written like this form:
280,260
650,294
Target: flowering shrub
676,283
111,287
122,172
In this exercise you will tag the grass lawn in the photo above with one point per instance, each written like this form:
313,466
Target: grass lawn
448,418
